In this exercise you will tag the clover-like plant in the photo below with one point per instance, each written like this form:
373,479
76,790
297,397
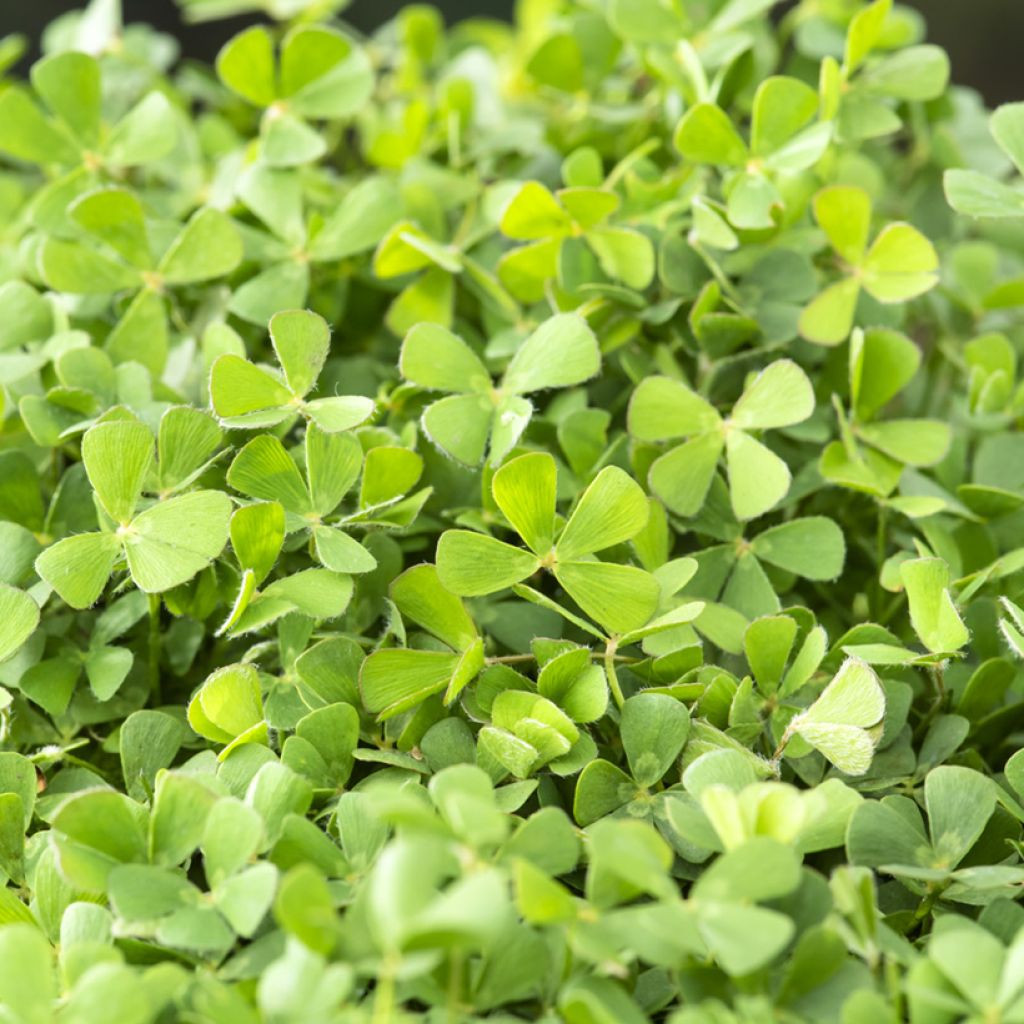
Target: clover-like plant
981,195
782,141
478,417
870,453
393,680
320,74
163,545
73,134
610,511
116,254
846,721
898,265
246,396
663,409
555,226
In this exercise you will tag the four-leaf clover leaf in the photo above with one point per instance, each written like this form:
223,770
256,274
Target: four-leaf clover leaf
246,396
164,545
611,510
478,416
663,409
899,264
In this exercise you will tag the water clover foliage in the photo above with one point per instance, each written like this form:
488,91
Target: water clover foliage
477,417
510,522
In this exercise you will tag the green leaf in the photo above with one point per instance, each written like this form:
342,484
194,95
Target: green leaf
82,270
611,510
863,34
758,478
705,135
900,264
264,470
147,133
257,534
561,352
28,987
525,491
173,540
186,441
845,721
933,614
782,106
619,597
228,707
978,195
392,681
69,84
301,341
779,396
324,74
767,644
654,727
208,246
237,388
434,358
813,548
601,789
26,133
682,476
78,567
827,320
1007,127
534,213
419,595
246,66
844,213
471,564
662,408
115,217
20,616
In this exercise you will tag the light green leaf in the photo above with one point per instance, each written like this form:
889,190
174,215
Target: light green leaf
662,408
706,135
561,352
208,246
779,396
237,387
844,213
114,216
434,358
525,491
471,564
263,469
246,66
621,598
19,615
173,540
933,614
682,476
78,567
420,596
301,341
534,213
460,426
118,457
758,478
611,510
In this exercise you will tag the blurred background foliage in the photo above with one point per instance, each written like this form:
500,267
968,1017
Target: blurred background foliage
982,37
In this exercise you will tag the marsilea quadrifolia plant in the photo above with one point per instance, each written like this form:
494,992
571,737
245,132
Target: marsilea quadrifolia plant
510,522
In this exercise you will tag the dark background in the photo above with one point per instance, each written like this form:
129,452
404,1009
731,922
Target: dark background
983,37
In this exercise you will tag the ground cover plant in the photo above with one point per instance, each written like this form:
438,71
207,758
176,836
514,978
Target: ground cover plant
510,522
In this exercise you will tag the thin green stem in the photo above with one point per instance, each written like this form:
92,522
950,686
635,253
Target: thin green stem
153,650
609,671
384,995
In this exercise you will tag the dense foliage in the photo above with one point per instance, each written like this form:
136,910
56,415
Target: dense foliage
510,522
